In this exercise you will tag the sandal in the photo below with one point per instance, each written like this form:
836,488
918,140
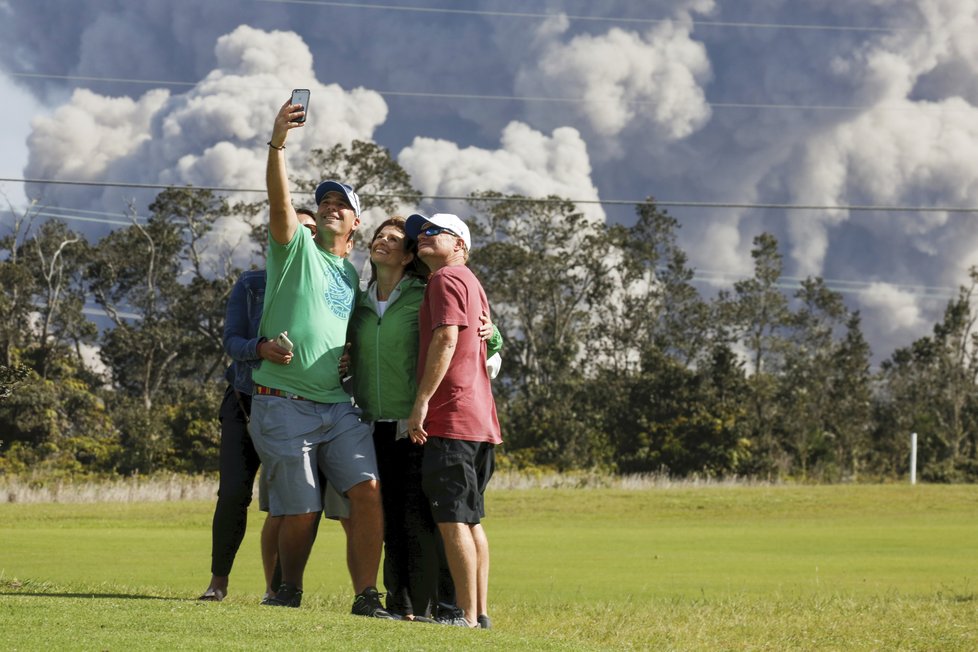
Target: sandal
212,595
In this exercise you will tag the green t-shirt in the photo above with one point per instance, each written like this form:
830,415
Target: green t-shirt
309,293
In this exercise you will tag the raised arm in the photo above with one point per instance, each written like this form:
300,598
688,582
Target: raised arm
282,221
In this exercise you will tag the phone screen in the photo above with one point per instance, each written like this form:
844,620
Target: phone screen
301,96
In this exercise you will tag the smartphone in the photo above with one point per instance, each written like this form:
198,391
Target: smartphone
301,96
283,341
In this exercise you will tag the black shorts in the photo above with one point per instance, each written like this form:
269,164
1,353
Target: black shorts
454,476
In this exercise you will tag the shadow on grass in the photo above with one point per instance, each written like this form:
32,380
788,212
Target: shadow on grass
90,595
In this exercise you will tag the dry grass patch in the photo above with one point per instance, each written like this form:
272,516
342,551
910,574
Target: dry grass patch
173,486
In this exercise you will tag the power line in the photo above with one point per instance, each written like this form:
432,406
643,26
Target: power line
82,218
88,212
606,202
711,278
841,286
700,276
113,80
604,19
639,103
514,98
703,277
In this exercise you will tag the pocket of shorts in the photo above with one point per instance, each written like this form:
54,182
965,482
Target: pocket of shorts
447,480
271,419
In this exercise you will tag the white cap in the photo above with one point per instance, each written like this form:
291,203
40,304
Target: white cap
444,220
493,364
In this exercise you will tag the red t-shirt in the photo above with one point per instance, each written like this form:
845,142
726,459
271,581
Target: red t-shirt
462,407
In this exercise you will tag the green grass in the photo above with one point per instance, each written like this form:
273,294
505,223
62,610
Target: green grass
715,568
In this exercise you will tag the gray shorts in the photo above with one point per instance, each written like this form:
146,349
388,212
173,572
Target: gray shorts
335,504
292,436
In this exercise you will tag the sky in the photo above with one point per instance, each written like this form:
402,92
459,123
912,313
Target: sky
725,111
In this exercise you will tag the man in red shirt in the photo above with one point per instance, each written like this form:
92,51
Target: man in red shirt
454,415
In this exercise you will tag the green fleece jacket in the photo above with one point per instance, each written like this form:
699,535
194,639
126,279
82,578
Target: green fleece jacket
384,351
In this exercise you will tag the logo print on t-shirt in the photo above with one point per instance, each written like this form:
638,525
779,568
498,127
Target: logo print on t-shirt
339,293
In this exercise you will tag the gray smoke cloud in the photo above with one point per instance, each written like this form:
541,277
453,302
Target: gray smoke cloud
527,163
710,103
210,135
909,139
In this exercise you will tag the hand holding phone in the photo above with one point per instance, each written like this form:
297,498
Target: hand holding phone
283,341
301,96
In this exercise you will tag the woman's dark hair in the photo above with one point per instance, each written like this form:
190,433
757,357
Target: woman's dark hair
415,268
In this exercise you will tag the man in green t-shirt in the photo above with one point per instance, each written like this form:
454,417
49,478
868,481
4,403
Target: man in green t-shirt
301,416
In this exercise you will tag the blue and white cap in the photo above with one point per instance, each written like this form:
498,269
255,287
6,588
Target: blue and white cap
335,186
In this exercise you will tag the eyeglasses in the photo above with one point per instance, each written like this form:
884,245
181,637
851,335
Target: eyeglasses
432,231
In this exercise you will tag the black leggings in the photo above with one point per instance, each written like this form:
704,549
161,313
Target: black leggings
416,573
238,466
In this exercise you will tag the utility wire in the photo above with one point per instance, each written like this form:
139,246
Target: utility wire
639,103
701,276
604,19
786,283
82,218
714,277
113,80
516,98
606,202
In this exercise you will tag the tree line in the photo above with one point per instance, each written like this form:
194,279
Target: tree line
614,361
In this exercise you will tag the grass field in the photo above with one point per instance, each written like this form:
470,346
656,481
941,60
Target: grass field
709,568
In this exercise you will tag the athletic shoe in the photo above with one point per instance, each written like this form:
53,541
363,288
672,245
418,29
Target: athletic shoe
484,622
447,612
454,620
367,603
288,596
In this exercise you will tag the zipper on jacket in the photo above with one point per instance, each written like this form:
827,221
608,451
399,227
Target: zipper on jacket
379,410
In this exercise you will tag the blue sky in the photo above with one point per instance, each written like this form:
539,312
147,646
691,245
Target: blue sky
736,102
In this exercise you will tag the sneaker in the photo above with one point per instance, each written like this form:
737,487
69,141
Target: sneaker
484,622
447,612
455,619
367,603
287,596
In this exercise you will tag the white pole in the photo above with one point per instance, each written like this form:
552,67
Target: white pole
913,458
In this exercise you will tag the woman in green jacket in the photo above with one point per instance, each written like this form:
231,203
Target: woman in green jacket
384,360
